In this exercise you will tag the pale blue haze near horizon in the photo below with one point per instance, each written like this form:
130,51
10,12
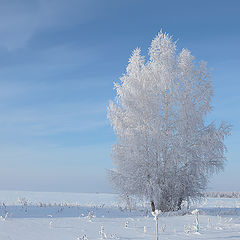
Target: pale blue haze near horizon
58,62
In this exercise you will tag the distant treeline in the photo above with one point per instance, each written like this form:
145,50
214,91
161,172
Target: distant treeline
222,194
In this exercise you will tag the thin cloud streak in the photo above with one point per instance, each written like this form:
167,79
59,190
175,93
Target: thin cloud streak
53,118
25,18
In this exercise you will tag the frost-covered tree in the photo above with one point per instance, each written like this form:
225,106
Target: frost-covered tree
165,152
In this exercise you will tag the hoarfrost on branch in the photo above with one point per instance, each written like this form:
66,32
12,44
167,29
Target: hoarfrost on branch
165,152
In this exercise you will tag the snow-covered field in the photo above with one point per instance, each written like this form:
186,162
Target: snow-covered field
70,216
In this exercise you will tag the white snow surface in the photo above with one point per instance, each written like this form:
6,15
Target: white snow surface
69,216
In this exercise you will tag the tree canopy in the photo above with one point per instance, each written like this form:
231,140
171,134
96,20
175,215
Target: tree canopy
165,150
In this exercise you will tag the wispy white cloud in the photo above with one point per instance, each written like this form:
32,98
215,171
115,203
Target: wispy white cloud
52,155
53,118
51,107
20,20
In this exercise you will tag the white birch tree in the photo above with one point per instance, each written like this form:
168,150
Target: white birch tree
165,151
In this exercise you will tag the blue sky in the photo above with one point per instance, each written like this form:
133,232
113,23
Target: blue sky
58,61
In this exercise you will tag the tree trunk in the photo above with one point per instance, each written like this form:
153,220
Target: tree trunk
153,206
157,228
179,204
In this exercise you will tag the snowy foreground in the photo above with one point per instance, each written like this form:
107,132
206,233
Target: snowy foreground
70,216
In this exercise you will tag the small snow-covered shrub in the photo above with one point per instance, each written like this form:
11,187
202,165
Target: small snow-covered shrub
195,213
5,217
102,233
187,229
114,236
90,216
84,237
209,225
51,224
163,228
156,213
